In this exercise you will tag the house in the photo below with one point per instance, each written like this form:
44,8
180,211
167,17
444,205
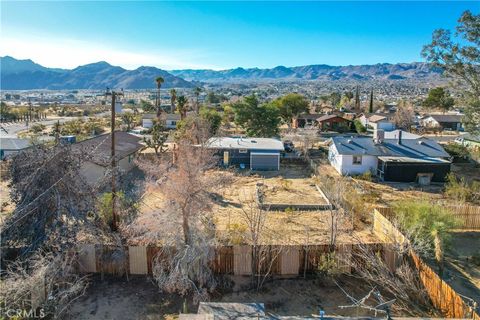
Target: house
333,122
148,119
11,146
171,120
305,120
443,121
99,148
253,153
398,159
469,140
376,121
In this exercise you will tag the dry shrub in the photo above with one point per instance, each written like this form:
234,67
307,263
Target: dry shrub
22,282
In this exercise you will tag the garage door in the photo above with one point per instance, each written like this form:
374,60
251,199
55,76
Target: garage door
264,161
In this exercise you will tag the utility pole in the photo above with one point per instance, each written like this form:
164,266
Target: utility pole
113,163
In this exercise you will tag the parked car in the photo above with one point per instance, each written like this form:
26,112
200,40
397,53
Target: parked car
288,145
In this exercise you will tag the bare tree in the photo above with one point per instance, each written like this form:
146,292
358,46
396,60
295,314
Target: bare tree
52,200
259,235
398,278
186,187
44,280
404,116
336,191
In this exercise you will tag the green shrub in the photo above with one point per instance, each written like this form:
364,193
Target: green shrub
104,206
460,190
236,233
328,265
367,176
359,127
457,151
425,223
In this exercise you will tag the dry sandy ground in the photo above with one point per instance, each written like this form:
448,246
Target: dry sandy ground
140,299
463,273
6,205
298,227
292,191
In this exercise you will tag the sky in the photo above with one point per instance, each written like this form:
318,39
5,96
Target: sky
222,35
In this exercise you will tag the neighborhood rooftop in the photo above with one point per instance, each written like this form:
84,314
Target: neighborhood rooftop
446,117
415,148
14,143
100,146
245,143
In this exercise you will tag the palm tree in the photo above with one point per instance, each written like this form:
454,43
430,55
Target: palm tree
182,106
173,98
159,81
197,94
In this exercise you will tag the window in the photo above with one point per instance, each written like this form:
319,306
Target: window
242,150
357,160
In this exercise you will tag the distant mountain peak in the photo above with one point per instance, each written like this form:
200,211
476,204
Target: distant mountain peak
25,74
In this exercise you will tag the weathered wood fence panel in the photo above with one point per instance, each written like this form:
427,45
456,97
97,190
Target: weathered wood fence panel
468,217
224,260
442,295
242,260
87,258
290,261
138,260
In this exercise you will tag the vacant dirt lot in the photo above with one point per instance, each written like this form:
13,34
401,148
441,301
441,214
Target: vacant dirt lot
463,264
297,227
140,299
292,191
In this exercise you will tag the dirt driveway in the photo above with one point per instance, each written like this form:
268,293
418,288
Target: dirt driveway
139,298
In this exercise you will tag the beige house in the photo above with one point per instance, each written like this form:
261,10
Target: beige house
99,150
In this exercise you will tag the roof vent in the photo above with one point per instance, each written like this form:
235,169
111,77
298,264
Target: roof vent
349,141
421,142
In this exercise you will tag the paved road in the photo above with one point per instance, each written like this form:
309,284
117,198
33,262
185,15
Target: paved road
11,129
444,138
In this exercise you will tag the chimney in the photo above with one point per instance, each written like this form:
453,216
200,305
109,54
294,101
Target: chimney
399,136
378,136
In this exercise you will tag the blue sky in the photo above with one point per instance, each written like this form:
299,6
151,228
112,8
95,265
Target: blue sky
219,35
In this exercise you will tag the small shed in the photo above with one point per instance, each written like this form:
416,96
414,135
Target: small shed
253,153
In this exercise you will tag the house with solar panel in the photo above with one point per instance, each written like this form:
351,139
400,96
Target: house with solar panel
398,157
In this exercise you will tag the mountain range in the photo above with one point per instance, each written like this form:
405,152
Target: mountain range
384,71
26,74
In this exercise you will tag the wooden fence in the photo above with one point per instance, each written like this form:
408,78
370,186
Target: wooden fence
443,297
468,217
232,260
